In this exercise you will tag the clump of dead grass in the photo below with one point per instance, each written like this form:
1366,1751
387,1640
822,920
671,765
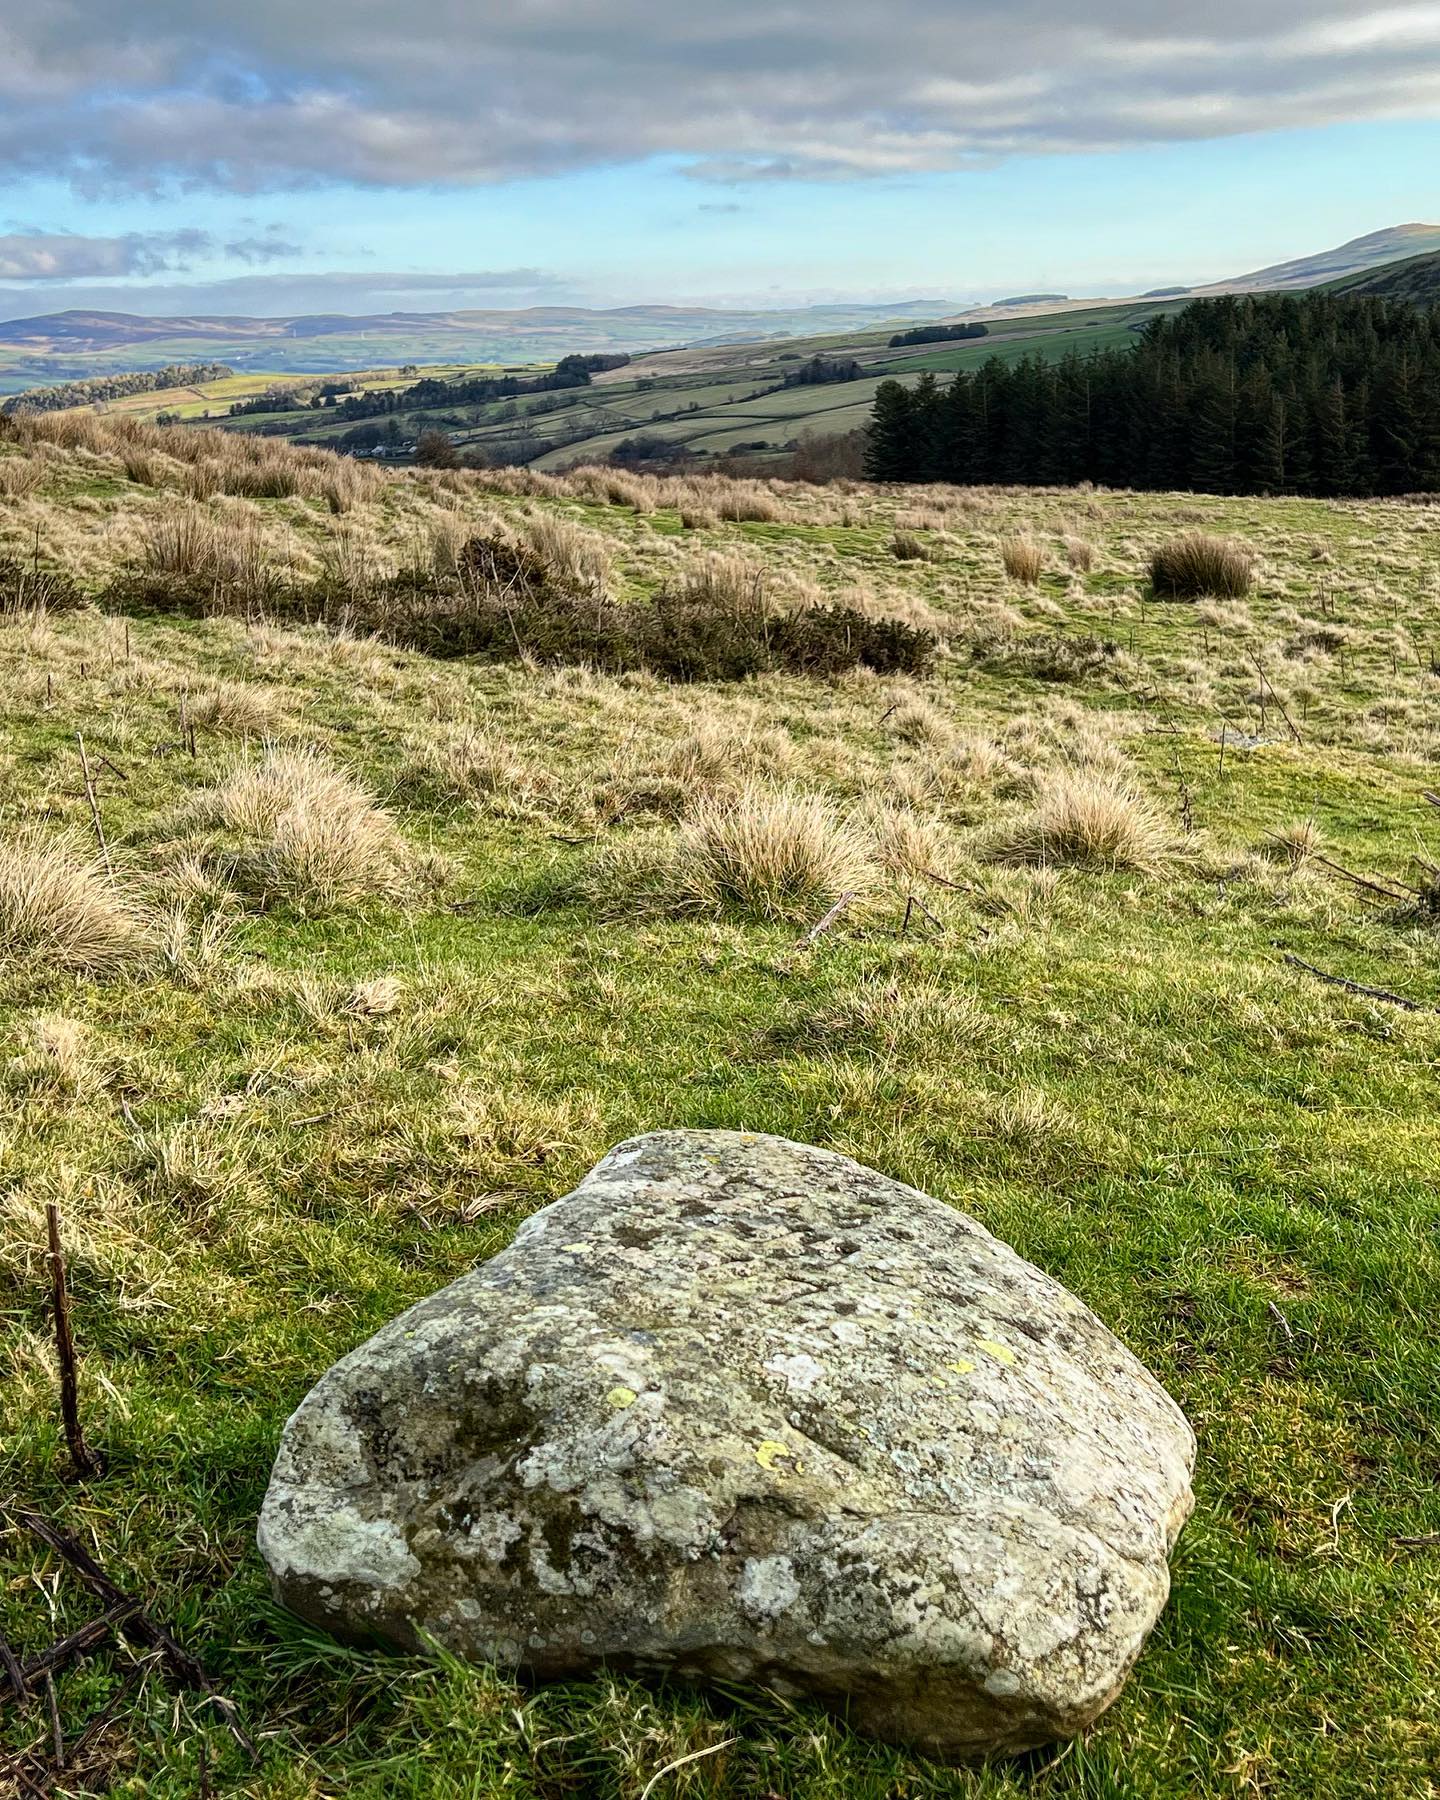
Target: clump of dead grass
59,904
1197,566
774,853
310,833
1089,820
1023,559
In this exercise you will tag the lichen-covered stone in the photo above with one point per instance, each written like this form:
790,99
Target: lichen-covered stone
743,1410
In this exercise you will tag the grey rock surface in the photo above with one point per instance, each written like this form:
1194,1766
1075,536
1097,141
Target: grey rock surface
743,1410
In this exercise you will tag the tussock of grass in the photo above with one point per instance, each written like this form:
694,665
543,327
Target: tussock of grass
1023,559
310,833
1091,821
910,546
1197,566
58,904
772,853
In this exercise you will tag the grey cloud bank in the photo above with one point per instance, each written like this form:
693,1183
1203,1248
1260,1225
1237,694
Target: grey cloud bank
266,95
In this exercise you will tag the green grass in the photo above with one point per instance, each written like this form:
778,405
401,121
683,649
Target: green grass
1237,1166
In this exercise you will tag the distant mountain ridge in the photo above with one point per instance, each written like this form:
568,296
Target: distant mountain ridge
1368,252
78,343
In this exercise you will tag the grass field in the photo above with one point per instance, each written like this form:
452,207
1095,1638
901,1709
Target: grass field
279,1096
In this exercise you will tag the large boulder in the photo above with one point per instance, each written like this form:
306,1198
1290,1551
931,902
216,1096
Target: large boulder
743,1410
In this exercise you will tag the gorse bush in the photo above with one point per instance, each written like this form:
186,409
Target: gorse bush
507,598
1197,566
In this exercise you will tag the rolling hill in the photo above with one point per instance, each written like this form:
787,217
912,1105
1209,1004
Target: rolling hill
1356,257
68,346
720,393
1416,279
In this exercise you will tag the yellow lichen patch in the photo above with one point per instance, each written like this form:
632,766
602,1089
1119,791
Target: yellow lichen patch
962,1365
620,1397
1001,1352
772,1454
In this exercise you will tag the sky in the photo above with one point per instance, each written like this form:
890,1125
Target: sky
269,156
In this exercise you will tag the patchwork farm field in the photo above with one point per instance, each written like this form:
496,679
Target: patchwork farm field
1142,971
709,400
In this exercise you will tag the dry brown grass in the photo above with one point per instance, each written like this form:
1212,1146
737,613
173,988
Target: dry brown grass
478,768
774,853
1296,841
1198,566
312,835
750,502
1023,559
578,556
1089,820
57,903
909,546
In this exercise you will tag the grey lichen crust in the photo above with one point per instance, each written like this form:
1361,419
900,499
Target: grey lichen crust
743,1410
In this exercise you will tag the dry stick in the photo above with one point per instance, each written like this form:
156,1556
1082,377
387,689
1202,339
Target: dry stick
81,1456
823,925
185,1669
1294,729
920,906
85,1637
14,1674
1430,1541
1355,987
52,1706
1361,881
94,805
18,1772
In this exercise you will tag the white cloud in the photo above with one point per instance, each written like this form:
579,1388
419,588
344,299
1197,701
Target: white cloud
255,95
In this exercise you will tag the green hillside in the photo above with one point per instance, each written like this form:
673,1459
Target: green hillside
392,946
1416,279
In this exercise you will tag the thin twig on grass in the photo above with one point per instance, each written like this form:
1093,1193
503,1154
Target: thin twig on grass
52,1707
1294,729
85,1637
914,904
91,796
1356,987
82,1457
1362,881
14,1674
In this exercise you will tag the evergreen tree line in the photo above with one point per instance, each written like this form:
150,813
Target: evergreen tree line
938,334
1319,394
96,389
569,372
